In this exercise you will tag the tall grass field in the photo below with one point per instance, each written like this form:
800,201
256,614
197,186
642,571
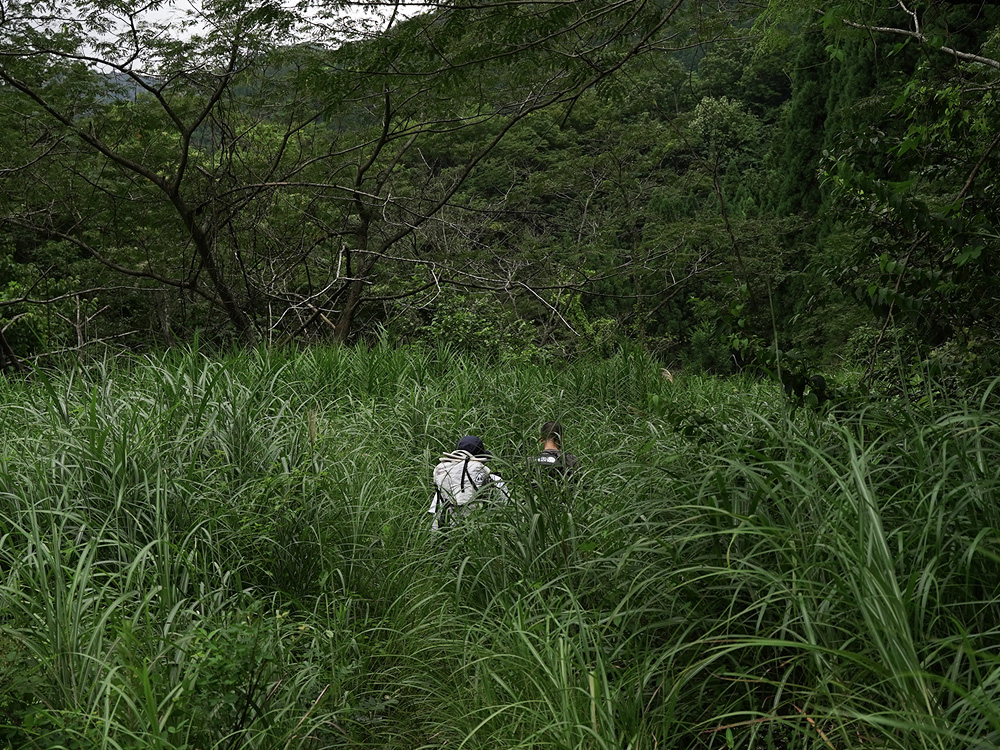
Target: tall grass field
235,552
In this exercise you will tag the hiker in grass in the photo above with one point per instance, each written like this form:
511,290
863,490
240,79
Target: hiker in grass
463,482
553,460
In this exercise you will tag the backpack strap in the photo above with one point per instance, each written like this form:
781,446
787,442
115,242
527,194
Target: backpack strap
445,504
465,473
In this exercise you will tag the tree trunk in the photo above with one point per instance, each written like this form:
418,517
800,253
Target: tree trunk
203,242
342,330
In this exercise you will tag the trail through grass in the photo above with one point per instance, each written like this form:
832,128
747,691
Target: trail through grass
234,552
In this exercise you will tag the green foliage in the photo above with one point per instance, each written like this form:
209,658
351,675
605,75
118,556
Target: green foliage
724,127
20,678
926,232
709,353
30,329
261,171
216,552
479,326
902,137
772,191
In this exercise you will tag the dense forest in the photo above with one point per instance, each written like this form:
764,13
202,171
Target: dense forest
730,187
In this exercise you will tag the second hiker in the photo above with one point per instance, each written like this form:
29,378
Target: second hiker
552,459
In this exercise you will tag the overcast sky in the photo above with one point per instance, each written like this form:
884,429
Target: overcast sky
376,17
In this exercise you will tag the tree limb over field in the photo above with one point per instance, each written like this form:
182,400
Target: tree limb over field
256,155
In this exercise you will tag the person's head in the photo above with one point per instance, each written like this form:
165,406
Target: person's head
474,445
552,433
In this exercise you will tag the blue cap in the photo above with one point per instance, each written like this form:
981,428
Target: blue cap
472,444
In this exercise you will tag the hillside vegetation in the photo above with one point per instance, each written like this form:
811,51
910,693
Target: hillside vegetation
235,552
721,185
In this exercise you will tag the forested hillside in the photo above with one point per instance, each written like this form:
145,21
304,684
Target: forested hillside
729,187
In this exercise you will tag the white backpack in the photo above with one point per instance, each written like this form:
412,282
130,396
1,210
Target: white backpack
459,481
